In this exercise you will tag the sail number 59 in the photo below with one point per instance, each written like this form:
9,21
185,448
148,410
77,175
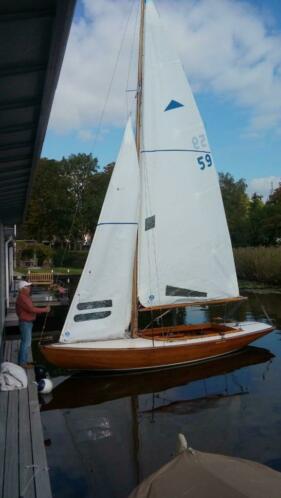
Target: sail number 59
204,161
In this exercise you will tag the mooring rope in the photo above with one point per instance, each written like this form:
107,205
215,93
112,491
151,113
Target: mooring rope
44,327
37,469
263,308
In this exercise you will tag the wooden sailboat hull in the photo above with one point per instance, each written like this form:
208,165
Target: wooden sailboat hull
140,353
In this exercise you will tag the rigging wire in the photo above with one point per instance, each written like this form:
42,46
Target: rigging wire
100,123
71,226
157,318
103,110
129,111
261,305
43,327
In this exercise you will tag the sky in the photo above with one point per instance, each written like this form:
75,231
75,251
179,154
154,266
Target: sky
231,53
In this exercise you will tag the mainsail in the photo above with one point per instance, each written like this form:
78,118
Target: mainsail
185,251
101,307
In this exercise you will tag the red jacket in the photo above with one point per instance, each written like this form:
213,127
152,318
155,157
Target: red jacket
25,309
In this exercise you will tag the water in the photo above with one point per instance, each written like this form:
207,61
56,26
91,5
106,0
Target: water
106,433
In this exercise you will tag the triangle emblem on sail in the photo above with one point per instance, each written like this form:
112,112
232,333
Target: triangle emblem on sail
173,105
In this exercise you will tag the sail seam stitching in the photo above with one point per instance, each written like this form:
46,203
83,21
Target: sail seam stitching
175,150
116,223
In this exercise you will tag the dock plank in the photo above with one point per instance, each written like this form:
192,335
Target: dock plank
3,432
4,396
7,350
11,319
26,469
14,351
11,481
42,480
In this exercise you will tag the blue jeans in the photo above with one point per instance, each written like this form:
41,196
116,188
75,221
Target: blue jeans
25,341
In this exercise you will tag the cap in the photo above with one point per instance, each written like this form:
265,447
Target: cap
23,284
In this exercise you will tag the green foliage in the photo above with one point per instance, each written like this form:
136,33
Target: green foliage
26,251
261,264
49,205
251,222
272,218
236,205
74,259
66,199
256,215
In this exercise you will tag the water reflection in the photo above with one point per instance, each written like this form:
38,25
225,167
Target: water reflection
99,388
106,433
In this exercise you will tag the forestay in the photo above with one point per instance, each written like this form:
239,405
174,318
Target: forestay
101,306
185,252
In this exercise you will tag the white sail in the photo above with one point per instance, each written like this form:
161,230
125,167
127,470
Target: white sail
185,251
101,307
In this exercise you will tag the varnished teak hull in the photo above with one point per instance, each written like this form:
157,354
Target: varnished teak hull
125,359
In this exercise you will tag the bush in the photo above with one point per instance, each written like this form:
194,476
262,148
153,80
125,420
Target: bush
31,249
261,264
74,259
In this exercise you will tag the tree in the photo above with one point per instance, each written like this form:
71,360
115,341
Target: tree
272,219
50,206
66,199
236,204
79,173
256,221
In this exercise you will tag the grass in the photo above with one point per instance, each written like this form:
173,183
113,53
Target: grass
56,270
252,284
259,264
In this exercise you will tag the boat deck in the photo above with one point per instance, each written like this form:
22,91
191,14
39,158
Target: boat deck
182,332
23,463
142,353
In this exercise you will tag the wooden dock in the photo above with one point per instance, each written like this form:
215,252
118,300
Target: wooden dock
24,470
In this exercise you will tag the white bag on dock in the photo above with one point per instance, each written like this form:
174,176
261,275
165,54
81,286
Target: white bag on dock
12,377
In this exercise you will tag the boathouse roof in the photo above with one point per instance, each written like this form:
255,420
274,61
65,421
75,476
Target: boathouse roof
33,37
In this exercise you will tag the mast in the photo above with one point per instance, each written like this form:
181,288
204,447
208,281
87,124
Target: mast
134,319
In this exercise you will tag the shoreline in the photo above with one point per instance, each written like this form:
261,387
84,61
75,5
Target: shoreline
253,286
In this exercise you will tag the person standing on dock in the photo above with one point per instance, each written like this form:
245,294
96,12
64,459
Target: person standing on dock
26,312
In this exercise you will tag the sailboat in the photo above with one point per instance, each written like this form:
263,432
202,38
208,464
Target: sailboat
162,240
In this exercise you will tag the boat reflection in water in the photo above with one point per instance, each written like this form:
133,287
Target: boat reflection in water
91,389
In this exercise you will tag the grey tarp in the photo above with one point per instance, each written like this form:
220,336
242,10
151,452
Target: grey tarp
194,474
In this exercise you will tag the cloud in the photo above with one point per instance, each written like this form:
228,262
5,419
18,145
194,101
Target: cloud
228,47
87,90
263,186
86,135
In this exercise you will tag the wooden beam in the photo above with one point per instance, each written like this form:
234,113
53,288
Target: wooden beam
16,145
13,170
12,181
19,157
20,103
27,14
194,303
19,69
18,127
